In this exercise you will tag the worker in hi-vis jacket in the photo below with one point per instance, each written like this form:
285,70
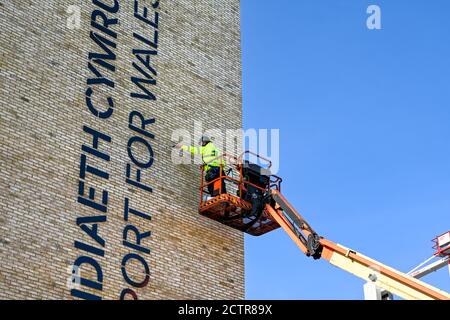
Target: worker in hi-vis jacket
211,161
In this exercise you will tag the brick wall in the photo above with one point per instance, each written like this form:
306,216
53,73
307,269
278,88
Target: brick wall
43,82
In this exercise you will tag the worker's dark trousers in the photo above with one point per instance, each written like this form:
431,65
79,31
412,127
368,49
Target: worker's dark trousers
211,174
256,199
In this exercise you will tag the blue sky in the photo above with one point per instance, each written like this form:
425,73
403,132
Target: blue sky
364,129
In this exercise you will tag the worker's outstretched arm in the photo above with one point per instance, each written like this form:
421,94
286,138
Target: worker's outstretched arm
191,149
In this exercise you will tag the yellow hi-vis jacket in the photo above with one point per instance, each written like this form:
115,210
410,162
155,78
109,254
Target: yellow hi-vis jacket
208,153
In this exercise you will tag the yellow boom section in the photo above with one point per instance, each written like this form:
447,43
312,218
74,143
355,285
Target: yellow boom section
346,259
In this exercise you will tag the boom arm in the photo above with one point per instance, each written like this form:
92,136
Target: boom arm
344,258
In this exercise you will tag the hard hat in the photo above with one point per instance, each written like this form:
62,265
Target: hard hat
205,138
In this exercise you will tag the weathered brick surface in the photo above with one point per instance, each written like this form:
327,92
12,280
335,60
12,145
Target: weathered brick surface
43,72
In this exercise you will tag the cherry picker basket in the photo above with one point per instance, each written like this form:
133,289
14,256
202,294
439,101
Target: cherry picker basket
241,205
442,245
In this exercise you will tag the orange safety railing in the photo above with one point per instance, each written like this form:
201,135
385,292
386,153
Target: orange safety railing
236,164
